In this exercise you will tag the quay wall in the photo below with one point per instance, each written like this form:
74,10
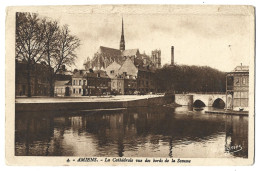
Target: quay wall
150,102
63,106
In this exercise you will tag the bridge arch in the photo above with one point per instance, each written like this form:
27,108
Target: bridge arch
199,103
219,103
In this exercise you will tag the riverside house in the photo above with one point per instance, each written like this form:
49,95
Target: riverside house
90,83
237,88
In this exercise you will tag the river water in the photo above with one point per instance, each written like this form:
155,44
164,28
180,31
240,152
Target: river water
134,132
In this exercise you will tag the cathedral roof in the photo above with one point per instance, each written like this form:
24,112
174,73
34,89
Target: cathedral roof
117,52
108,50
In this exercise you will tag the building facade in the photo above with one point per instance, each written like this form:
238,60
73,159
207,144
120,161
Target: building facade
124,85
237,88
146,80
117,85
39,79
129,78
97,83
78,82
156,58
86,83
62,88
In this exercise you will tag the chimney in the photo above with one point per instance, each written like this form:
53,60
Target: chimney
172,55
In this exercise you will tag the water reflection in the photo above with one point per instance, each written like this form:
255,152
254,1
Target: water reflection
143,132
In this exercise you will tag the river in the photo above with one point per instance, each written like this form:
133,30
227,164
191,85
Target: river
134,132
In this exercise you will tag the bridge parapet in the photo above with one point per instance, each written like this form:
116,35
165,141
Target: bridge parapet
207,99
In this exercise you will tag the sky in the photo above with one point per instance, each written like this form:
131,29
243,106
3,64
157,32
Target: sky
222,40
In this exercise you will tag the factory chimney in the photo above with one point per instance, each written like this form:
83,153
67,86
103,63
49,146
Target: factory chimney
172,55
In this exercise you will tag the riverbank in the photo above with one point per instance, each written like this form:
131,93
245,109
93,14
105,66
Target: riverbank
87,103
83,99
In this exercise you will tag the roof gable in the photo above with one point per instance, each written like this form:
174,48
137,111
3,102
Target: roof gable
129,68
112,69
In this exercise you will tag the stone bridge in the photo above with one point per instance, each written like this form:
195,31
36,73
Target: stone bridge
197,99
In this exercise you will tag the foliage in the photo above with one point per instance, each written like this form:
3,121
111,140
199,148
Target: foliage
40,40
184,78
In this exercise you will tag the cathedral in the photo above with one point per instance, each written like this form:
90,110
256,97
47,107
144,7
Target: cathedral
106,56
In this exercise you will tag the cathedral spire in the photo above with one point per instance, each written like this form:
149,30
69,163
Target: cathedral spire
122,41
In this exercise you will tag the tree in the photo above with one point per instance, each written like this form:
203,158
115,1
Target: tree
60,49
29,45
183,78
52,34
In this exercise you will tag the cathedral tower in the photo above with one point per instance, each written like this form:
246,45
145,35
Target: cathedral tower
122,41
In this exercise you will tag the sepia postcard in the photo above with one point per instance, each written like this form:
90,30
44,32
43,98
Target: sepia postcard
149,85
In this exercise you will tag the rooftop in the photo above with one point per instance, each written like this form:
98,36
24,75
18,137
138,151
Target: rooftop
241,69
62,83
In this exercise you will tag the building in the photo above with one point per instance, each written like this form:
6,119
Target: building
237,88
124,84
89,83
146,80
98,83
156,58
62,88
123,77
63,80
39,79
105,56
78,82
129,78
63,74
